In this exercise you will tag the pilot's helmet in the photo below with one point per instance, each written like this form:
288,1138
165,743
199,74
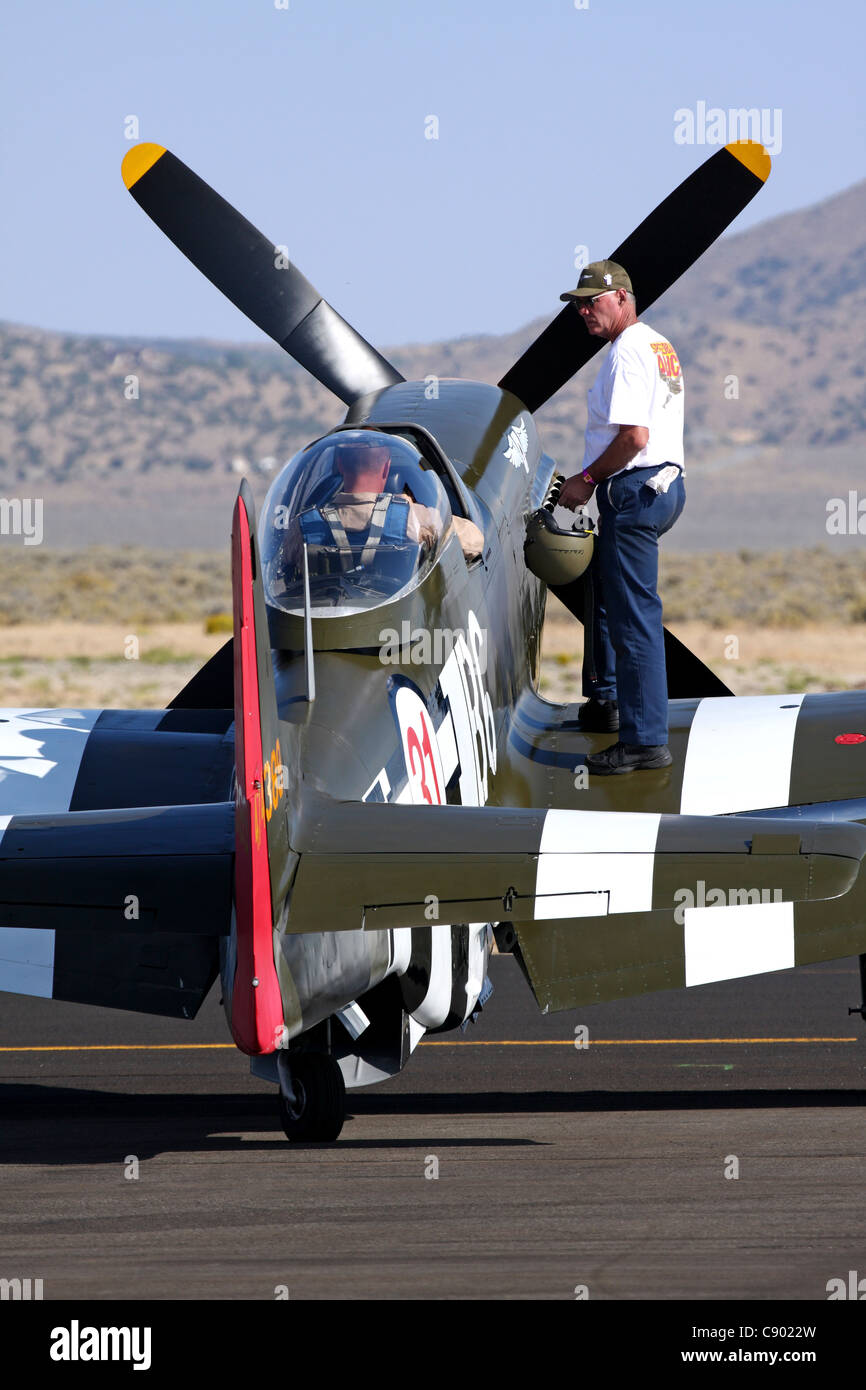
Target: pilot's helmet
553,554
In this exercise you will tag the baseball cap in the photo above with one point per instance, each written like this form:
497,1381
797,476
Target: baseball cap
597,277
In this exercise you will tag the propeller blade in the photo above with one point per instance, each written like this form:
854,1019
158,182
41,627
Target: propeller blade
253,274
687,676
656,254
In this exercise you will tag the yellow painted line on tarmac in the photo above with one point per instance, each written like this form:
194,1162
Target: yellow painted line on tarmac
121,1047
476,1042
624,1042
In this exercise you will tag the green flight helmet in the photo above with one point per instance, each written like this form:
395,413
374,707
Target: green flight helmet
552,554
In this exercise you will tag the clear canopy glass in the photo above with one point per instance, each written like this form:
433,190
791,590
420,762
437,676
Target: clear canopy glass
371,513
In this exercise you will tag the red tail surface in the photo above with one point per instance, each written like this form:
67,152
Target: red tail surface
260,822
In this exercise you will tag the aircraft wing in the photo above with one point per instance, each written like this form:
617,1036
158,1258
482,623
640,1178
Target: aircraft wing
125,908
122,908
604,904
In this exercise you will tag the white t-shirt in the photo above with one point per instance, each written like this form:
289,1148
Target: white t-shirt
640,382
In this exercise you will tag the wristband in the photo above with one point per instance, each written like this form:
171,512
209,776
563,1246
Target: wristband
587,477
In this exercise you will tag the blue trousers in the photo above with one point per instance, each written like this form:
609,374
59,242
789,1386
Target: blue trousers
628,637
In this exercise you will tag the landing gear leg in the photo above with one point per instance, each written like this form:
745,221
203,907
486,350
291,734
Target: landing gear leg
312,1096
861,1008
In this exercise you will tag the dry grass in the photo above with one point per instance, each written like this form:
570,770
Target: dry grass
762,659
95,665
55,641
111,584
59,663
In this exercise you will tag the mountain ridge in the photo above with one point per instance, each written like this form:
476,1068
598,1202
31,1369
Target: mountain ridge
769,325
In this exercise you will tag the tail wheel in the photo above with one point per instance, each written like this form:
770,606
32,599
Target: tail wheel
317,1112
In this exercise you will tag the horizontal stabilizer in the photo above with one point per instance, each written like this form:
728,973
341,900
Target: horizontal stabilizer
120,908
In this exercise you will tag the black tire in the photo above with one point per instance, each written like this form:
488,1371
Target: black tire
319,1109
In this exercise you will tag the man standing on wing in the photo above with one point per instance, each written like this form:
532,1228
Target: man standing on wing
634,455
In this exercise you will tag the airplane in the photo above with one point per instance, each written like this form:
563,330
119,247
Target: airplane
363,789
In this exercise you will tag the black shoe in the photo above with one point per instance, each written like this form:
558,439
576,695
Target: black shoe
629,757
599,716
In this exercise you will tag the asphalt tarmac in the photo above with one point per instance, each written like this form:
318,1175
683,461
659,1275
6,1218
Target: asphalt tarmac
141,1160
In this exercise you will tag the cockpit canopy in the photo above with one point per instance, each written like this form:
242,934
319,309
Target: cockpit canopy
371,512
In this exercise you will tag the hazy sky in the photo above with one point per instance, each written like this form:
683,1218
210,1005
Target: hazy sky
556,128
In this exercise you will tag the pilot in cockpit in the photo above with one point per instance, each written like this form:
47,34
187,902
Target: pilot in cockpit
367,515
362,505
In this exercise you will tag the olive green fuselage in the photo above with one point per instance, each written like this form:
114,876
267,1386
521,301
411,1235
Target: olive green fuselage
466,640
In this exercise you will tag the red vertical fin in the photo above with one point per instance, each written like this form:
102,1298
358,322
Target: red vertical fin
257,1009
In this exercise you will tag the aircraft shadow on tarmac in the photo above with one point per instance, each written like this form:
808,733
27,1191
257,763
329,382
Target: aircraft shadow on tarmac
100,1125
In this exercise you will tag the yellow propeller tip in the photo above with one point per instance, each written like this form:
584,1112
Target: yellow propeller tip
138,160
753,155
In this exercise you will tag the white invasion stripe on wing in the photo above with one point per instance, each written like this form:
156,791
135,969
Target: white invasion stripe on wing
40,756
739,754
26,955
27,961
595,862
724,943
